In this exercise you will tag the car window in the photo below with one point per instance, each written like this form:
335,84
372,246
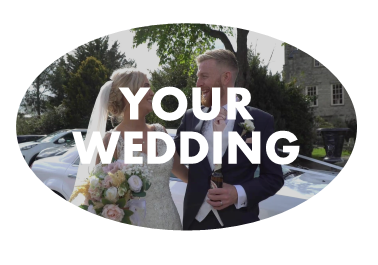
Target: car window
68,137
77,161
72,143
50,137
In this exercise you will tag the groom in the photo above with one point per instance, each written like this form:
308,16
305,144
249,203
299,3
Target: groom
237,202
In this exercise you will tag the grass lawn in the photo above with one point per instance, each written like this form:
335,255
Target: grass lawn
320,153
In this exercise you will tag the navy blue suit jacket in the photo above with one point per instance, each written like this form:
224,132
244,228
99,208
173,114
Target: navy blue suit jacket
242,173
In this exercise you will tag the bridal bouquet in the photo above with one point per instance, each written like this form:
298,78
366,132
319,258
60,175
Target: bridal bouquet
111,191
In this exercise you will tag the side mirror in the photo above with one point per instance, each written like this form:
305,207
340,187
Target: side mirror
61,141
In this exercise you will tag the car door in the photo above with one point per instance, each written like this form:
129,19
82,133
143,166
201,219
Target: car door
70,177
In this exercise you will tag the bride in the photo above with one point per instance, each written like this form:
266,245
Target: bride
161,212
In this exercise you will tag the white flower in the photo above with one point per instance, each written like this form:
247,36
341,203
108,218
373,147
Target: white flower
122,190
135,183
98,168
91,209
249,125
94,182
111,194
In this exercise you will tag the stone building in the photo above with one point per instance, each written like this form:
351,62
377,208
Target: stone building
332,101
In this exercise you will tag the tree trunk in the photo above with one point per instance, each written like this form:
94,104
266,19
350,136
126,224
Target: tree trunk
38,105
241,55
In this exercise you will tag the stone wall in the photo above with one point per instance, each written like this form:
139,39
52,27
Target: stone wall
300,65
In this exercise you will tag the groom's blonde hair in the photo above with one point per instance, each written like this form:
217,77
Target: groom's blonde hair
223,58
125,77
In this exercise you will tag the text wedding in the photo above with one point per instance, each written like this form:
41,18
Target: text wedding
234,139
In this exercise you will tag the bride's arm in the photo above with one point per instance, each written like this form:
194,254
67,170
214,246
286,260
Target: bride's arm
106,142
179,170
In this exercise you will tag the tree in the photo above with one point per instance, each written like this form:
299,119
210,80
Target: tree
177,75
82,90
111,58
50,121
74,80
35,97
67,65
57,80
194,38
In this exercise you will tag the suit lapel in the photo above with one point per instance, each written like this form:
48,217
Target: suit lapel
238,120
226,130
236,128
198,127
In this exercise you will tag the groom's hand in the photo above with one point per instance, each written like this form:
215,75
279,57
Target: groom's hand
228,195
220,121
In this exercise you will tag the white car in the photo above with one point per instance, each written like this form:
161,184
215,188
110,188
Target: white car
297,189
59,173
30,150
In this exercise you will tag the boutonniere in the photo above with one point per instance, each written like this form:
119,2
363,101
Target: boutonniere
247,126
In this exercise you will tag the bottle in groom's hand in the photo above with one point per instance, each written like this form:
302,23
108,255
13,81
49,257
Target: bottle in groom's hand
217,177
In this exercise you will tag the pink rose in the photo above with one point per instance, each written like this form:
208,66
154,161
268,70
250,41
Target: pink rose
106,183
95,193
108,168
113,212
114,167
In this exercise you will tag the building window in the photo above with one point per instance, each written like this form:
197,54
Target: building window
312,91
317,63
337,94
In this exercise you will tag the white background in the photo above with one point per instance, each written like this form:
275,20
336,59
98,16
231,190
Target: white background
338,225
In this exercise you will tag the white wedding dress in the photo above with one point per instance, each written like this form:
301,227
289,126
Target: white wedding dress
161,212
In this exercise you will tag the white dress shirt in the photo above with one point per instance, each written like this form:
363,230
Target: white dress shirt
208,134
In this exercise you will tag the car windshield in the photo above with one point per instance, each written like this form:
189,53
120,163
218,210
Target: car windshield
50,137
72,142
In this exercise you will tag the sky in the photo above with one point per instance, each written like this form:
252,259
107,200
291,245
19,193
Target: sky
147,59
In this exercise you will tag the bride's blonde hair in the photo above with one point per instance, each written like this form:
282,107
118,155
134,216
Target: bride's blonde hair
126,77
